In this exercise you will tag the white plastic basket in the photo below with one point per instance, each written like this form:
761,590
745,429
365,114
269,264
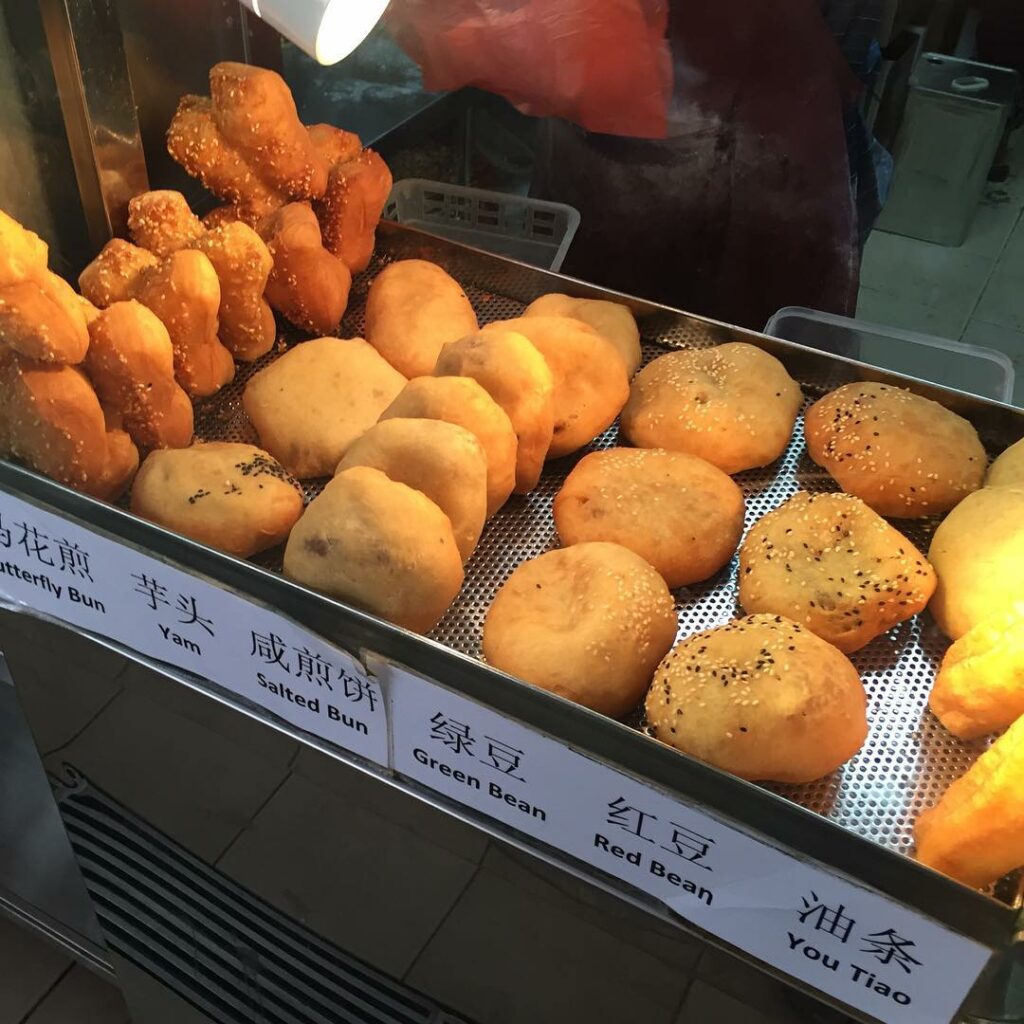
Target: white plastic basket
971,368
533,231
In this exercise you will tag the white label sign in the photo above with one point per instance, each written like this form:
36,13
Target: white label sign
55,566
849,942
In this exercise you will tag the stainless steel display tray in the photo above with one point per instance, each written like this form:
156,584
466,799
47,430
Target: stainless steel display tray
858,821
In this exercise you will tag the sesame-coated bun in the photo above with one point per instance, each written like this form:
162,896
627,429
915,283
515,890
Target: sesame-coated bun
762,698
677,511
905,455
230,496
732,405
830,563
588,622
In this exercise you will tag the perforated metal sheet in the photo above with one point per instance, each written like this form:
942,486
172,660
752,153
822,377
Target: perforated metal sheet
908,759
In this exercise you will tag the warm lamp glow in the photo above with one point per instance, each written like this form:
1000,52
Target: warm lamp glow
327,30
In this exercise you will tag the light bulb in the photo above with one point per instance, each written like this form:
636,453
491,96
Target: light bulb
328,30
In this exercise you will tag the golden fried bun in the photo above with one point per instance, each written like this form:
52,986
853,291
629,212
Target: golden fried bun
310,404
732,405
980,685
762,698
590,381
978,554
52,421
678,512
830,563
1008,468
588,622
905,455
444,461
460,400
516,376
131,364
379,545
23,254
232,497
975,834
413,309
612,320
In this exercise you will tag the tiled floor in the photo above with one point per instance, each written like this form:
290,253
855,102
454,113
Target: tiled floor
974,293
39,985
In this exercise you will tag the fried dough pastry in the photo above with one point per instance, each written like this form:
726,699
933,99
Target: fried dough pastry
975,833
1008,468
52,421
980,685
162,222
131,365
40,315
903,454
357,189
978,554
245,142
183,291
308,285
23,254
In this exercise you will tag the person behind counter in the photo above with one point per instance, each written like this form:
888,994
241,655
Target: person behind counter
762,190
765,190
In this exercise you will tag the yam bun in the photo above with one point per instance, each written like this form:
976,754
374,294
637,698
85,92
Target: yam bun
590,383
413,309
229,496
612,320
460,400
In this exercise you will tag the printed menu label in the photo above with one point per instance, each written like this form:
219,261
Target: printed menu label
59,568
852,943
